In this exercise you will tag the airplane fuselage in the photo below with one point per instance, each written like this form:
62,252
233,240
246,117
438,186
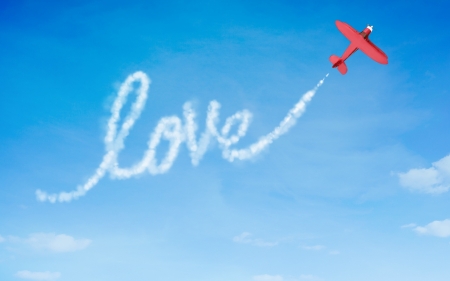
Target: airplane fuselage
351,49
358,41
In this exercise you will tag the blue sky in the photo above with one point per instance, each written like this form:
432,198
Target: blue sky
356,190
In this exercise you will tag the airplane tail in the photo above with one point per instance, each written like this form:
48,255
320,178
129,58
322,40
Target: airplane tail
339,63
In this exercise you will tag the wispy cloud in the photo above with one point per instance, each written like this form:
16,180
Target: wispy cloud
409,225
246,238
435,228
30,275
433,180
314,248
267,277
172,129
2,239
57,243
334,252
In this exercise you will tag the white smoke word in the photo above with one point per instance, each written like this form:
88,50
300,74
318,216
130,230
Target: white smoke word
174,130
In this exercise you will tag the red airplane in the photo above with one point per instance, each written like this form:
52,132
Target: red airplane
358,40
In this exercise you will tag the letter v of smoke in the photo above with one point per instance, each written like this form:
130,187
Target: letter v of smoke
171,129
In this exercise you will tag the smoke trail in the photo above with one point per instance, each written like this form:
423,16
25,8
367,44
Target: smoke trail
172,129
285,125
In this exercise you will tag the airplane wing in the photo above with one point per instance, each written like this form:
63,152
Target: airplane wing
366,46
374,52
347,30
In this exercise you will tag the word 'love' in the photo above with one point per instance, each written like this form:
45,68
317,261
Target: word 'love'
176,131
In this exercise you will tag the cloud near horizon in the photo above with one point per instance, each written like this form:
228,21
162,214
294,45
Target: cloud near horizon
409,225
433,180
435,228
314,248
245,238
30,275
57,243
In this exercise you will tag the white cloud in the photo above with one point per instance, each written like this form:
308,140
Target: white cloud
433,180
435,228
314,248
334,252
2,239
267,277
409,225
47,275
57,243
245,238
